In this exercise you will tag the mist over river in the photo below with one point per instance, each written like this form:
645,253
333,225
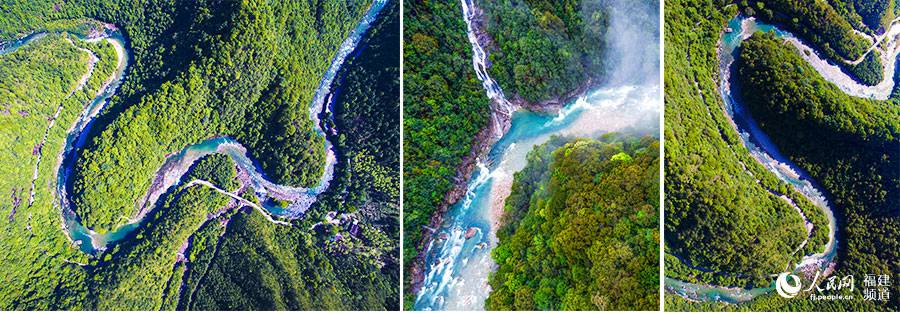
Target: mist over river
628,99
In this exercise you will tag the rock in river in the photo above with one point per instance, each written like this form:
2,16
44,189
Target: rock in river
471,232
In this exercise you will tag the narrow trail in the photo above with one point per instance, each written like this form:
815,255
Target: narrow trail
236,197
876,41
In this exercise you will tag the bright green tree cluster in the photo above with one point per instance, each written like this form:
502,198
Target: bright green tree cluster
253,80
217,168
545,49
580,228
37,80
198,70
827,28
851,146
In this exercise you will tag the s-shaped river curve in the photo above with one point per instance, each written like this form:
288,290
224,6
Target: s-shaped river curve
177,165
766,153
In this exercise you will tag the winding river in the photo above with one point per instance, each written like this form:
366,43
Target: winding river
767,154
177,165
457,267
14,45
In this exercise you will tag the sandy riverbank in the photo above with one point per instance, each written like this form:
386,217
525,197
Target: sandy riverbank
833,73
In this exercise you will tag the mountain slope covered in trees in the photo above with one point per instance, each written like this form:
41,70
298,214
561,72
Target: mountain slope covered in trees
199,70
830,29
848,145
580,228
545,49
720,214
444,107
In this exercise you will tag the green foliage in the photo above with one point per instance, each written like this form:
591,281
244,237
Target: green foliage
367,114
36,80
444,107
253,80
848,145
828,27
199,69
869,71
266,266
580,228
139,269
723,210
216,168
203,248
876,14
250,194
777,85
819,23
538,52
545,49
366,179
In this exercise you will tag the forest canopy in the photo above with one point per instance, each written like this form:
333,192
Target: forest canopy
444,107
545,49
200,70
580,228
848,145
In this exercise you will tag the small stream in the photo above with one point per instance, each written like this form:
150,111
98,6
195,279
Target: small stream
14,45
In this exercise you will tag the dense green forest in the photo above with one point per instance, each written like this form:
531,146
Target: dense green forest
544,49
367,114
868,16
848,145
815,21
216,168
580,228
540,50
200,70
876,14
35,81
253,79
444,107
828,28
723,210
